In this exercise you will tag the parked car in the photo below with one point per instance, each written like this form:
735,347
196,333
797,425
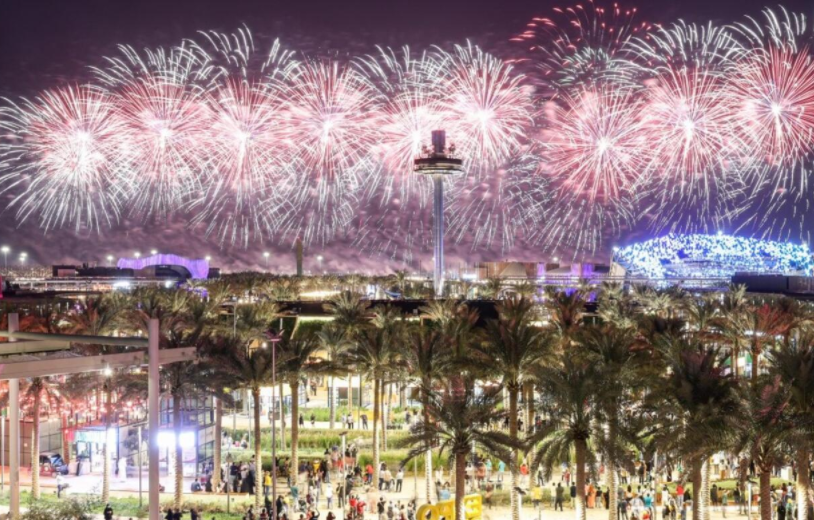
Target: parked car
52,463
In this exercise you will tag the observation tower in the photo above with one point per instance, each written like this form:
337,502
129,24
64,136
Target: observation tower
438,164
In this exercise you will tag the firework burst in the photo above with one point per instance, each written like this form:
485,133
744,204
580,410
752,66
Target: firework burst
582,45
595,143
332,110
64,158
488,105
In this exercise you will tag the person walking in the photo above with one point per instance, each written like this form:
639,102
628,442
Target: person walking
364,421
108,512
399,479
573,496
559,494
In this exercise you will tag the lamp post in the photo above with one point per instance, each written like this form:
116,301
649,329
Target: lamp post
274,338
438,164
319,262
153,252
137,254
267,255
5,250
23,258
110,260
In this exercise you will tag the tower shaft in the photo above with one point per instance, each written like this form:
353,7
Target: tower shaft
438,234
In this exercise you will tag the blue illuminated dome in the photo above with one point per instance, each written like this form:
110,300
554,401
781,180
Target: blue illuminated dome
713,256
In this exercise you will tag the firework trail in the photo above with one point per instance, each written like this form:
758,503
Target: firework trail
63,160
411,110
489,106
501,208
247,142
595,143
683,127
582,45
247,156
332,111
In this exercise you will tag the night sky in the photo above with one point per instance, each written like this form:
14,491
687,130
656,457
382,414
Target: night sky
47,43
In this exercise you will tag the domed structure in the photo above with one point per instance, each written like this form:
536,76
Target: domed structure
712,256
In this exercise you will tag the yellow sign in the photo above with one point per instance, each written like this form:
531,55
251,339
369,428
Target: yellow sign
473,509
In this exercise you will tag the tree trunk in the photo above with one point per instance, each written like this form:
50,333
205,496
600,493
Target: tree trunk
66,446
332,404
581,451
108,451
766,495
385,388
403,396
35,445
529,408
695,476
735,355
282,419
177,425
361,400
803,480
295,431
376,405
613,486
610,468
258,457
514,499
425,412
706,472
460,482
216,454
350,399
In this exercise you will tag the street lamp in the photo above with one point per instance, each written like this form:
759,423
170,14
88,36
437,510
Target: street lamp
137,254
208,258
319,262
274,338
23,257
267,255
153,252
5,250
110,260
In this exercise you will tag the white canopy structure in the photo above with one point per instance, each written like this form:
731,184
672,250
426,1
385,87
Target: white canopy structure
30,354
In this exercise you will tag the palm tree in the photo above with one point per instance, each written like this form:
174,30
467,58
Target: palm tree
762,432
250,370
699,407
183,382
425,347
297,356
42,396
569,383
731,321
350,313
513,347
793,366
458,420
492,287
611,350
334,340
99,317
566,311
373,355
